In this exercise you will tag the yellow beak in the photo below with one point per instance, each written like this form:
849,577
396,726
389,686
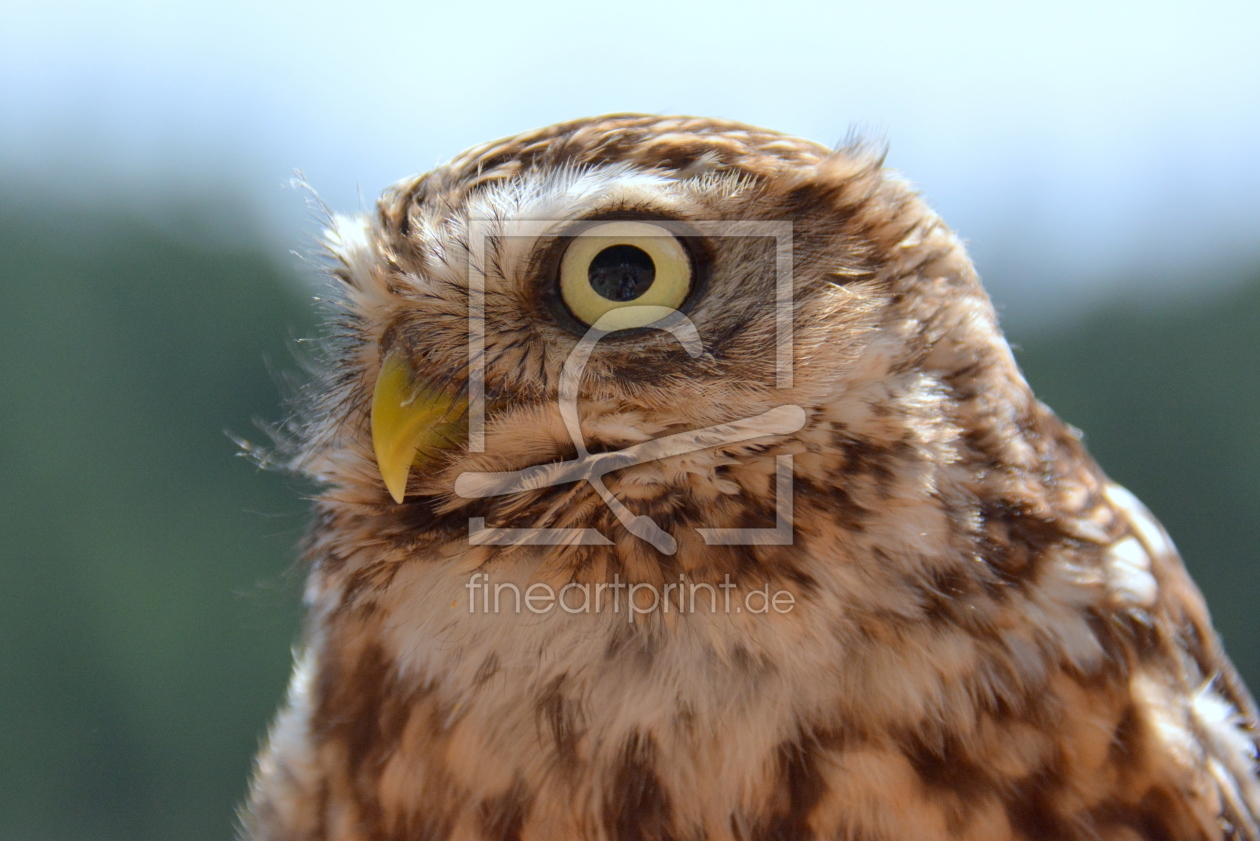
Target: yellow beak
411,421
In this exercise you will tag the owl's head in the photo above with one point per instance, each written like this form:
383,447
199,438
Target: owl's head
665,279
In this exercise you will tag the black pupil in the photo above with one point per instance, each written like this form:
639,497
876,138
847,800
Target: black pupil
621,273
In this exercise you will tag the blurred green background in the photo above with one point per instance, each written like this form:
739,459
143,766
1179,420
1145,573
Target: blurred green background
147,592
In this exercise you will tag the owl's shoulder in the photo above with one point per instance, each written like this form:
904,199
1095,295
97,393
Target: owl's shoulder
1183,684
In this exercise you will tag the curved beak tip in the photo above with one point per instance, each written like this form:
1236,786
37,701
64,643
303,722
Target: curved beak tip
409,419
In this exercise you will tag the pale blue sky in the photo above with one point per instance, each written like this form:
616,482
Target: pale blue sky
1067,143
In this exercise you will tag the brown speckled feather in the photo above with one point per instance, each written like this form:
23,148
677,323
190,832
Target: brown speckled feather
987,640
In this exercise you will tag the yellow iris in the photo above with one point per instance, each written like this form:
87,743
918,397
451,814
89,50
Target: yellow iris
624,265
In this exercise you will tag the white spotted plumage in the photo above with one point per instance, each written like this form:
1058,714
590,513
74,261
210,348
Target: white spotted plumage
986,639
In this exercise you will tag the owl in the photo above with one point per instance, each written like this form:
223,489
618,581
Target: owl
678,483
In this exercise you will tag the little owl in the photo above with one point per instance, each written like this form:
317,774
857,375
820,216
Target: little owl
678,483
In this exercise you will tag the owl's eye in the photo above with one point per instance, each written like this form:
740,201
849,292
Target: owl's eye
623,265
